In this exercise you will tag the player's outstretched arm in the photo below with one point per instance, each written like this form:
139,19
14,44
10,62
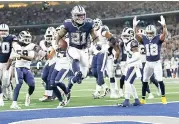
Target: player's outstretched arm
164,32
135,23
95,38
60,34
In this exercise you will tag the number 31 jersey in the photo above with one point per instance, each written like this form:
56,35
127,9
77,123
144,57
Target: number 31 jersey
25,51
5,48
152,47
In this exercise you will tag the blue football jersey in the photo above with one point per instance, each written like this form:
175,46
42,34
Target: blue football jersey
5,48
78,35
152,47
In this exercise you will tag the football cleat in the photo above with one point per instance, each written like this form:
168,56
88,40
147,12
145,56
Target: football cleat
136,103
150,96
142,101
61,104
164,100
1,102
106,92
96,95
126,103
15,106
46,99
27,100
78,76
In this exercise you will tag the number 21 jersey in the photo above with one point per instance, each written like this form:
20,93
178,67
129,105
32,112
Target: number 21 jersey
78,35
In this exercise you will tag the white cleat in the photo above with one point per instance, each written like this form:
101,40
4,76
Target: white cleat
61,104
15,105
150,96
96,95
1,102
27,100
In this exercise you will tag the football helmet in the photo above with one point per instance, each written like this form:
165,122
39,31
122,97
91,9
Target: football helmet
60,27
25,37
78,14
4,30
50,34
127,34
97,23
150,31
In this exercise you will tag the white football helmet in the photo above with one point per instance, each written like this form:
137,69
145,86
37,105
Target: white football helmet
60,27
4,30
151,31
50,34
78,14
97,23
25,37
127,34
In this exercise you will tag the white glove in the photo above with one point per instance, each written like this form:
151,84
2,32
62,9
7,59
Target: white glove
162,22
135,21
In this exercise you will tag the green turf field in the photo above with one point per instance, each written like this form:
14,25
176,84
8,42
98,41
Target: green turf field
81,95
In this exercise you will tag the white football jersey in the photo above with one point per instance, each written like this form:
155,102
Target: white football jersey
23,50
142,53
130,56
103,41
48,48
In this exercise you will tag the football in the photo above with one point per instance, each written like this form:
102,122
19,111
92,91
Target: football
63,44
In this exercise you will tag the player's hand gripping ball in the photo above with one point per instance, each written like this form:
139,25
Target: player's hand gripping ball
63,44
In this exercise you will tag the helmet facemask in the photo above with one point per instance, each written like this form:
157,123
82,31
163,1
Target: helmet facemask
78,14
150,32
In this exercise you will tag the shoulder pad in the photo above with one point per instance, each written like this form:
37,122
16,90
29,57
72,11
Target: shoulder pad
67,20
89,20
105,28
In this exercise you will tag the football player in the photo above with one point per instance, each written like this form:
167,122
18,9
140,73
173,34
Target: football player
6,41
152,43
23,53
103,60
78,29
60,71
133,66
143,60
46,46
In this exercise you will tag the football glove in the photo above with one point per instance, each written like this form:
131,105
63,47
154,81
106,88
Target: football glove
135,21
162,21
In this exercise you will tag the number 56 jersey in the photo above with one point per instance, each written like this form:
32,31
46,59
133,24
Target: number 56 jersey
25,51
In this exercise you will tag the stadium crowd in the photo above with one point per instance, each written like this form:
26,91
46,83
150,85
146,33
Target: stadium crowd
56,14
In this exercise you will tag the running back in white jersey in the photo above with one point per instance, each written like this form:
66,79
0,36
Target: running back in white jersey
62,62
26,51
48,47
103,41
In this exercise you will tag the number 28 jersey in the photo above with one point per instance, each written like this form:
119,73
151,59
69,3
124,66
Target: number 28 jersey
25,51
78,35
152,47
